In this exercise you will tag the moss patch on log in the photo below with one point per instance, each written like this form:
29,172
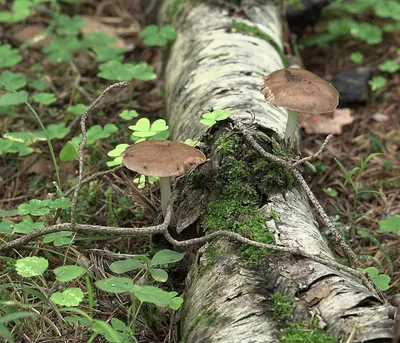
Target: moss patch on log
245,179
256,32
174,7
296,332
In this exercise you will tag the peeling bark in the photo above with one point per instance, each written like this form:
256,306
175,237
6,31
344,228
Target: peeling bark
212,66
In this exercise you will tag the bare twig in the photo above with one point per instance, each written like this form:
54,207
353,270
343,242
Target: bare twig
83,144
314,156
236,237
93,177
84,228
336,235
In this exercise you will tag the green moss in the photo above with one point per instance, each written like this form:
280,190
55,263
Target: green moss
282,306
203,318
302,332
256,32
243,182
305,333
174,7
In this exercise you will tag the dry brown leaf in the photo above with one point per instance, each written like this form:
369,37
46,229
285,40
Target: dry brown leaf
380,117
322,124
315,294
35,32
93,24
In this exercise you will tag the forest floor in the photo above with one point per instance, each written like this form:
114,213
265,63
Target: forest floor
107,202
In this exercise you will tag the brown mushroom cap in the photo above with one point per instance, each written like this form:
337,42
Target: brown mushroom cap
300,90
162,158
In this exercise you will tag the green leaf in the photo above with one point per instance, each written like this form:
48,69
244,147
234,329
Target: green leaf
152,295
60,48
69,26
57,131
119,149
382,282
104,54
154,36
69,152
330,192
115,285
159,275
166,257
210,118
68,273
388,9
27,226
13,80
62,203
94,40
159,125
6,226
124,266
143,72
390,224
168,32
128,114
376,83
140,181
45,98
115,70
390,66
77,109
10,99
119,325
70,297
176,301
58,238
357,57
372,272
9,57
31,266
35,208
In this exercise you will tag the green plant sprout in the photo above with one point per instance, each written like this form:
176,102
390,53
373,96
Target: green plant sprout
381,281
157,36
128,114
390,66
357,57
390,224
141,180
117,71
377,82
356,185
58,238
143,129
211,118
116,153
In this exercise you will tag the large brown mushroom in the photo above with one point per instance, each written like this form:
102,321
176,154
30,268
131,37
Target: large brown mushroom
299,90
164,159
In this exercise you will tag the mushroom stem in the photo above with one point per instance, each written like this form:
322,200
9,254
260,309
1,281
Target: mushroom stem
165,190
291,127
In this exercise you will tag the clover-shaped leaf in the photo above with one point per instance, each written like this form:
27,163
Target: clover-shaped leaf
70,297
60,48
128,114
45,98
109,53
141,180
115,70
69,152
67,25
62,203
13,80
119,149
77,109
176,301
10,99
377,82
68,273
9,57
381,282
35,207
27,226
6,226
144,129
154,36
31,266
57,131
58,238
191,142
211,118
390,66
390,224
115,285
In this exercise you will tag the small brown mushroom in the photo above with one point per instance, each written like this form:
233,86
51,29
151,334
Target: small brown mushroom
299,90
163,159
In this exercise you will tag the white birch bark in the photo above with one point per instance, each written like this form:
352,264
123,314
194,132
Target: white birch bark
212,67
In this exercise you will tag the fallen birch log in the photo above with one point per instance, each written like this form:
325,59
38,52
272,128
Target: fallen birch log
218,62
